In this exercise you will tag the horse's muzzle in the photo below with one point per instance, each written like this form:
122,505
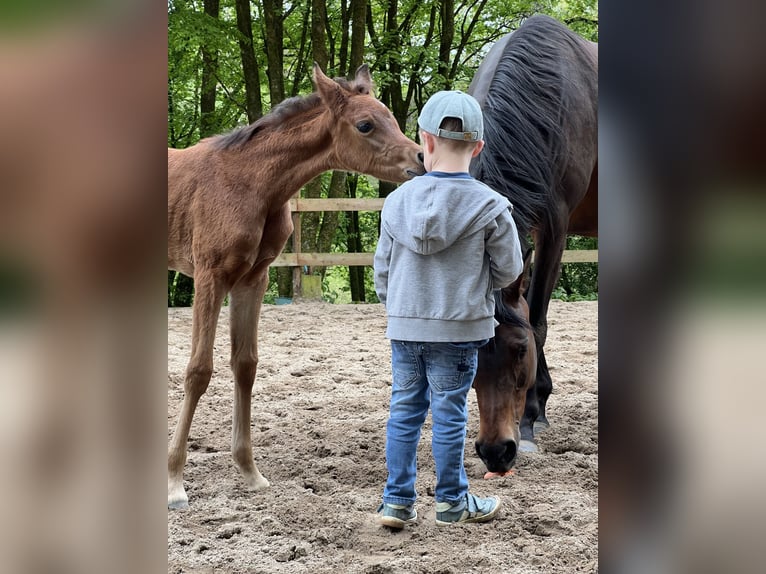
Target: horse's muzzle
498,457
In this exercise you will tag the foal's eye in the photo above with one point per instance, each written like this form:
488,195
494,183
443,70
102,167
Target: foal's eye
364,127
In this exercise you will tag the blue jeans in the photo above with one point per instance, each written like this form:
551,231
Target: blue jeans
439,375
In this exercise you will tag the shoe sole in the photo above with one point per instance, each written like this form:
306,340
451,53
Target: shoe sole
398,523
484,518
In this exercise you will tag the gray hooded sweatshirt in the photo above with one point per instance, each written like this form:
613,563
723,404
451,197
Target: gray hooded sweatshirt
446,242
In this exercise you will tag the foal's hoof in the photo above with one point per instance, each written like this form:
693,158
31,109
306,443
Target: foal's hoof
527,446
177,498
178,505
257,483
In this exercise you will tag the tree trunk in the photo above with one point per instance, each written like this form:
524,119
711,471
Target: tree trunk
394,66
272,33
272,38
171,115
345,17
445,41
391,94
354,245
310,221
208,125
250,70
355,273
385,188
318,34
301,57
320,228
328,228
358,10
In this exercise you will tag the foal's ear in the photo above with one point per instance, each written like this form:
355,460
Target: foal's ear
363,80
331,93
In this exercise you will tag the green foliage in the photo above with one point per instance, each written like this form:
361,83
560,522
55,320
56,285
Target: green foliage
335,286
578,281
403,55
270,297
188,30
180,290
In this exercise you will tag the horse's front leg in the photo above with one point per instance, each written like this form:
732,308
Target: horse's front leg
244,313
209,292
549,248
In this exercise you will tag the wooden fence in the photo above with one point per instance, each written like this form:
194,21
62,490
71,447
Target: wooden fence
298,259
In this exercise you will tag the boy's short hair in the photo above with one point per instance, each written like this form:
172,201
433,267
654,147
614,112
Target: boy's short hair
454,125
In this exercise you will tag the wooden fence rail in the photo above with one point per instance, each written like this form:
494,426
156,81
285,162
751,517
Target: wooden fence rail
298,259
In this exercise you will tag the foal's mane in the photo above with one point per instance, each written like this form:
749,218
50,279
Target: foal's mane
279,114
522,123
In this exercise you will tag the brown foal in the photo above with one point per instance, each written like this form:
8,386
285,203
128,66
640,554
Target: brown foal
228,218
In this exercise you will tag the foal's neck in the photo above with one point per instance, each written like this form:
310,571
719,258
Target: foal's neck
289,156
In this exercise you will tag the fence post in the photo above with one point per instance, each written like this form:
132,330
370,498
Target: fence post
297,290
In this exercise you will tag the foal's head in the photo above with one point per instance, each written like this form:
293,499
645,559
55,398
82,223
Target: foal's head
507,367
365,135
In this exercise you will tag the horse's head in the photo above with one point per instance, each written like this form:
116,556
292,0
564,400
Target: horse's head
366,137
507,366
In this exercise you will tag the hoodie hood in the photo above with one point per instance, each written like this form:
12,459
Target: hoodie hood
427,214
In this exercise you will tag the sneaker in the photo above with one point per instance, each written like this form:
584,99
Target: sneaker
470,509
396,515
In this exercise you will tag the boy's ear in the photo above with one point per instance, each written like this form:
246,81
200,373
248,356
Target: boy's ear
478,148
428,141
331,93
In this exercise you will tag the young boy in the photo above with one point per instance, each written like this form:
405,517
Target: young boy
447,241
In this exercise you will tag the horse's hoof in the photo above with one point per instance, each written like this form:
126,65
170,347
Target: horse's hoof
541,424
527,446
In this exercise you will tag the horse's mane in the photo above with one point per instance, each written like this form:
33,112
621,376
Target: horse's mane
279,114
522,120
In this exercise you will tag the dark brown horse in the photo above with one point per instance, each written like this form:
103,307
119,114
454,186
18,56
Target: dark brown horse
538,89
507,367
228,219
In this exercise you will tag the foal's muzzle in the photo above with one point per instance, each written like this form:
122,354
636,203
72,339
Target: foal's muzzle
498,457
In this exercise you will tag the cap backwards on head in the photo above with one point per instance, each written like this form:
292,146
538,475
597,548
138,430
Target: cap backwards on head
453,104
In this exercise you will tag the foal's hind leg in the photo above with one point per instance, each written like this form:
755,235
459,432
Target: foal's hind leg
244,314
208,296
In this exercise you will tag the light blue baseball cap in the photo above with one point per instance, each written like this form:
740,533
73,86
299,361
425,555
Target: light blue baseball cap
453,104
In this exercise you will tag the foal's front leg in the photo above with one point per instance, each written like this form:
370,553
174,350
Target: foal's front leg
243,319
208,297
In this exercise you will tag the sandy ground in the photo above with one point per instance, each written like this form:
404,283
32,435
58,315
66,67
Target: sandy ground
319,412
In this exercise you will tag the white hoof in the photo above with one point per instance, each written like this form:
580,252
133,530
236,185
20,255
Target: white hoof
257,482
177,500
